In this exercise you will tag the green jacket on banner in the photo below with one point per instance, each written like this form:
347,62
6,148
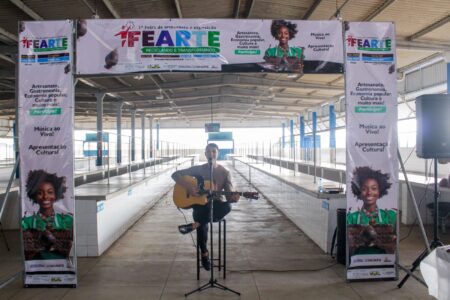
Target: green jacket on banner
279,52
380,216
47,238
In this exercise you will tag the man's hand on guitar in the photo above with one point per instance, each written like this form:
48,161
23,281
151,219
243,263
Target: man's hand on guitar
234,198
193,190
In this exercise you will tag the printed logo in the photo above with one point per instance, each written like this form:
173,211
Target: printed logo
45,45
369,44
127,35
170,42
55,279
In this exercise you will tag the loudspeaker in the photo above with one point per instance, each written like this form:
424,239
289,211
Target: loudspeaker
433,126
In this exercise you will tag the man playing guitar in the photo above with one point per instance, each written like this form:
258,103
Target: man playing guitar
201,213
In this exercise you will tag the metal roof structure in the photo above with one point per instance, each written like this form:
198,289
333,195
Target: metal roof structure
238,100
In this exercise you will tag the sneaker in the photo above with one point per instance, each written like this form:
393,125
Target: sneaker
184,229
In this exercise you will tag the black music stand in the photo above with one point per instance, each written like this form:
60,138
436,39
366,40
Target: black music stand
212,283
436,242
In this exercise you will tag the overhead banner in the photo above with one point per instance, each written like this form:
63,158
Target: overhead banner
215,45
46,110
372,164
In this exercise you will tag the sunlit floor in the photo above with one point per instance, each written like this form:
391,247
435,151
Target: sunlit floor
268,257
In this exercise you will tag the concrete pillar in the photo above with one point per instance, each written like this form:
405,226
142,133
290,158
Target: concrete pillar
151,136
282,137
447,59
291,127
302,132
133,135
157,136
99,97
302,137
119,133
332,125
143,135
314,127
314,132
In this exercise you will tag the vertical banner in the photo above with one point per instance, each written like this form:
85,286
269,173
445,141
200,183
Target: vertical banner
46,121
372,164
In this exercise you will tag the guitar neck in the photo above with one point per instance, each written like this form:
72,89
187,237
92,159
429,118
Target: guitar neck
224,193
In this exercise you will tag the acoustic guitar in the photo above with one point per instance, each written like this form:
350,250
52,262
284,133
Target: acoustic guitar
182,199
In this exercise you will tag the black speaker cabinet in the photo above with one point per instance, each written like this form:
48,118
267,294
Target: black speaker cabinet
433,126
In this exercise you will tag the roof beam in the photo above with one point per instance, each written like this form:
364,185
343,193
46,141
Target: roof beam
415,45
430,28
338,10
223,101
232,91
311,9
250,7
7,58
88,5
227,111
237,4
23,7
8,35
378,10
210,82
178,8
111,9
8,49
436,56
7,84
7,74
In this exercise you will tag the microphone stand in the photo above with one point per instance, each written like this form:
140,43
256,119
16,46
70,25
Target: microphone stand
212,283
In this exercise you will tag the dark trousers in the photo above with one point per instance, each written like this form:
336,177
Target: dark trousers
201,214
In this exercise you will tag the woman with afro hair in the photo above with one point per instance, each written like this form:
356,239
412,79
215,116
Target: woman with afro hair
369,185
46,233
283,55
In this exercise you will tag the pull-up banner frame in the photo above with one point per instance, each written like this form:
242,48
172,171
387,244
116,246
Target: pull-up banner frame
372,164
46,121
216,45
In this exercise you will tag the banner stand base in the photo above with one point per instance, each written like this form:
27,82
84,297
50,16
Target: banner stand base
37,286
50,280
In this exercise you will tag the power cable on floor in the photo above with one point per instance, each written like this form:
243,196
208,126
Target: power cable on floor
281,271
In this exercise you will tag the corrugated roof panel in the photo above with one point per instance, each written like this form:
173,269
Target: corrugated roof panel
407,57
439,34
61,10
145,9
279,9
353,10
412,16
10,15
213,9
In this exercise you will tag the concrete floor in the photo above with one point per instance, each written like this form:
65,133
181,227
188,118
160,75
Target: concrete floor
268,258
